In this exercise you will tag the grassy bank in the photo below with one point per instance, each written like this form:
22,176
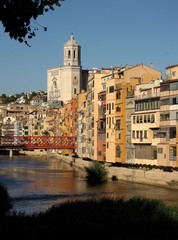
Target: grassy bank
106,217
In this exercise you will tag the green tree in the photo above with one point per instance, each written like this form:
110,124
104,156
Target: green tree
3,95
17,15
5,200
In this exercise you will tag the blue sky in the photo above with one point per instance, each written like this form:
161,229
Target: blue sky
111,33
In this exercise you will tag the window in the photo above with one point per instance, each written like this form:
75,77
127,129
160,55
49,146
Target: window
141,118
118,135
137,106
176,115
148,117
133,134
146,106
137,134
109,108
137,119
75,90
155,154
133,119
174,101
69,54
164,116
111,89
118,151
141,106
109,122
152,118
153,105
144,118
99,153
118,124
141,135
145,134
118,95
173,153
173,132
118,109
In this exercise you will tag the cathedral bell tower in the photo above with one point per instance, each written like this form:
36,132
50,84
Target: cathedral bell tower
72,53
64,82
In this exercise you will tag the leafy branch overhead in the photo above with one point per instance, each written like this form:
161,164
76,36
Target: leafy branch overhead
17,16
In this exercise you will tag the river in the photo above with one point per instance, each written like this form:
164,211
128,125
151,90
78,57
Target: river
36,183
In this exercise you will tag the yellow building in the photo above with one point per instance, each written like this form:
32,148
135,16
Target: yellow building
81,125
118,86
95,85
146,122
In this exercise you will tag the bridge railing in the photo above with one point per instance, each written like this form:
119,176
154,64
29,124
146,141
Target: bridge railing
38,142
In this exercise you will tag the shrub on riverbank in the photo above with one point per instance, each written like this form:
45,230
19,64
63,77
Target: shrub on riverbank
136,218
96,173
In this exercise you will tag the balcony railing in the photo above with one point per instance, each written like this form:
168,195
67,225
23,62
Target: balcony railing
150,95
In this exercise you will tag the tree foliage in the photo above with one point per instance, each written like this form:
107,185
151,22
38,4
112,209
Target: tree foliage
5,200
18,17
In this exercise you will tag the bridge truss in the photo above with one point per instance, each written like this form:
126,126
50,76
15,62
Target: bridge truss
38,142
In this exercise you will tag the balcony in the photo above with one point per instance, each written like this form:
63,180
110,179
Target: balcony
144,96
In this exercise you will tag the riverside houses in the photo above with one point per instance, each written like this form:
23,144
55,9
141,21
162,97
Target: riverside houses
121,114
120,85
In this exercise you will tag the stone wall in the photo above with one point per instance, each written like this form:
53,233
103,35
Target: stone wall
153,177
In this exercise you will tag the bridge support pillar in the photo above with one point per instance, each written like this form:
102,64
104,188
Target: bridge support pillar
10,153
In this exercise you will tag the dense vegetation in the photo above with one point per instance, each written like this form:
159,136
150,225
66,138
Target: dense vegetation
108,217
96,173
5,99
105,217
5,201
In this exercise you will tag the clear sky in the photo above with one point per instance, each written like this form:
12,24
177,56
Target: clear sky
111,33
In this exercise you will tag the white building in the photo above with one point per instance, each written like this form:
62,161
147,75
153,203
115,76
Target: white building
65,82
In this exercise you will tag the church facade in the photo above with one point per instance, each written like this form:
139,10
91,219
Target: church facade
65,82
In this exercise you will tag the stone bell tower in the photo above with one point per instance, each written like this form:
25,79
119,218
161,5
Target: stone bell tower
72,53
64,82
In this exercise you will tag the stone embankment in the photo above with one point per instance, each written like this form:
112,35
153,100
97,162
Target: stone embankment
155,177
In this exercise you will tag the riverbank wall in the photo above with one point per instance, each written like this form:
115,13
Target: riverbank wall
155,177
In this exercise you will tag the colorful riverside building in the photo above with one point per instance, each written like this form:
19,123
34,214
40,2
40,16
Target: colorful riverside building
104,112
167,148
81,145
94,87
119,86
145,123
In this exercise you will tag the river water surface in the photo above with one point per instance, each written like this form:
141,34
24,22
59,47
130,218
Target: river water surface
36,183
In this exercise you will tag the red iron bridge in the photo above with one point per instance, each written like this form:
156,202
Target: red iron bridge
37,142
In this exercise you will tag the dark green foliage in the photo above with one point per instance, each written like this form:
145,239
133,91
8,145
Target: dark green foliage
16,16
115,218
96,173
144,166
5,201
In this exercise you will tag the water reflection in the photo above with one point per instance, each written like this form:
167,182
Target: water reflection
36,183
